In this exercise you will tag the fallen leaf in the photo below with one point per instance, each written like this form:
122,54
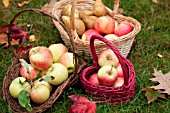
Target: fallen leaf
23,3
152,95
155,1
17,32
6,3
4,40
24,48
163,80
32,38
48,7
81,105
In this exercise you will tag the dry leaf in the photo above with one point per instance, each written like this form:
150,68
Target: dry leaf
4,40
155,1
164,81
23,3
48,7
6,3
152,95
32,38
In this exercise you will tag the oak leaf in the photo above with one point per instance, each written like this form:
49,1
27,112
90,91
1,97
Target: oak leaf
163,80
152,95
81,105
4,40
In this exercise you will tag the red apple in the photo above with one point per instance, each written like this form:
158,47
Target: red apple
107,75
93,79
123,28
40,57
87,34
31,74
119,82
39,93
104,24
107,57
119,70
67,60
57,50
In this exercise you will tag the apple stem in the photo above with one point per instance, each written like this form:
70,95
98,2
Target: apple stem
111,68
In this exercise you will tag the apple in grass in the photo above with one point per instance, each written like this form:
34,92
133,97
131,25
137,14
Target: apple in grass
59,71
107,57
123,28
41,57
57,50
104,24
107,75
67,60
88,33
39,93
17,85
94,79
119,82
30,74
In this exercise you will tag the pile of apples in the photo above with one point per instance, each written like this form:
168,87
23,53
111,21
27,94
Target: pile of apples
48,66
95,22
110,72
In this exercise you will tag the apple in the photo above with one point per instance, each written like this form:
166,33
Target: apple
57,50
17,85
119,82
111,37
104,24
107,57
40,57
94,79
107,75
123,28
119,70
43,82
39,93
88,33
67,60
59,71
28,75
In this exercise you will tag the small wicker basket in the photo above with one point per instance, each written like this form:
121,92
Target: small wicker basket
123,44
13,72
114,95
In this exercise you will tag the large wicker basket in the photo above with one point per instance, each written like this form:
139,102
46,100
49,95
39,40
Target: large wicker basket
13,72
114,95
123,44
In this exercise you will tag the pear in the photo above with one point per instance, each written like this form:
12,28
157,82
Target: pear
66,11
99,8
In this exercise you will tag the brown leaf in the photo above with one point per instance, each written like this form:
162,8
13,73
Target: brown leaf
152,95
23,3
155,1
4,40
164,81
48,7
6,3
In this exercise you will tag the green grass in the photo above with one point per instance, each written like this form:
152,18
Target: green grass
153,38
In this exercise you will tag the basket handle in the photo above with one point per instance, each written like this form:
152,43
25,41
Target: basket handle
75,52
116,7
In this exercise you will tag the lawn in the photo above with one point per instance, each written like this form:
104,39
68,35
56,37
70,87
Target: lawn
153,39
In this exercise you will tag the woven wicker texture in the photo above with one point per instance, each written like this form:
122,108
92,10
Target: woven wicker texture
114,95
123,44
13,72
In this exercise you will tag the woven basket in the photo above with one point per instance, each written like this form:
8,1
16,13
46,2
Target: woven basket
114,95
123,44
13,72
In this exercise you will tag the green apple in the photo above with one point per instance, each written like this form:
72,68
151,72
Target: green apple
17,85
39,93
59,71
57,50
43,82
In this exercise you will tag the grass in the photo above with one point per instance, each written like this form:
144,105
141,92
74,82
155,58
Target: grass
153,38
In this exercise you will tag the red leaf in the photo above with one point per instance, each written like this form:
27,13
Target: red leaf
24,48
17,32
81,105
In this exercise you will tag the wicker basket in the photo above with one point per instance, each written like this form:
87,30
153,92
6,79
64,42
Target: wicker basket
123,44
114,95
13,72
